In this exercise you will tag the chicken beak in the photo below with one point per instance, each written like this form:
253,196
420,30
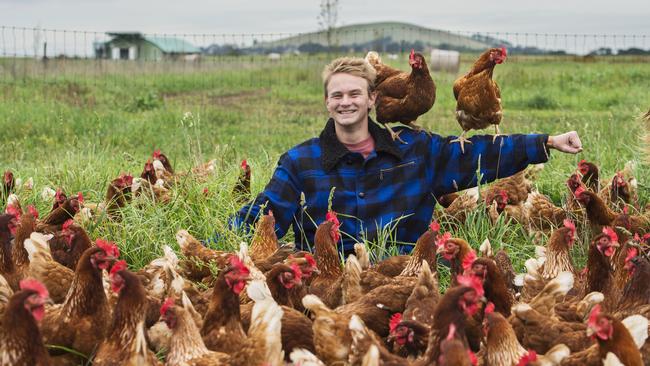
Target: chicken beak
315,271
440,249
590,332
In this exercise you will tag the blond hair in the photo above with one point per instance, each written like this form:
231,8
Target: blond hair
350,65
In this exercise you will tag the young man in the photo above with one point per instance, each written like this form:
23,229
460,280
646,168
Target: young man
377,181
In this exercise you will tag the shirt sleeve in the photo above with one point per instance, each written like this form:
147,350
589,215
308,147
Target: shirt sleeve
281,195
453,170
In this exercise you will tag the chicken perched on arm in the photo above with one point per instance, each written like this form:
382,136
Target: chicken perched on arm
478,97
402,97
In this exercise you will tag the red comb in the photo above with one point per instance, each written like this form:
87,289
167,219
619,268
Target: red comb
442,240
108,247
128,179
631,253
611,233
504,51
473,282
58,194
489,308
394,321
504,195
297,273
235,262
244,164
452,331
33,211
156,154
80,197
593,316
472,358
620,180
118,266
469,259
412,55
331,216
34,285
310,259
582,162
67,224
569,225
166,305
529,357
579,191
646,236
13,211
434,226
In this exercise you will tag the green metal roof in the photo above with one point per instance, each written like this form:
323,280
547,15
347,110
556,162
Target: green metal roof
166,44
172,45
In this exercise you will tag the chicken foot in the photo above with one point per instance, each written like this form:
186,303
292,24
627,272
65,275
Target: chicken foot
395,135
496,133
417,128
462,140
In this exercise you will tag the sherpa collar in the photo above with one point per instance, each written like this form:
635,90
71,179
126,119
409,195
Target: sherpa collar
332,150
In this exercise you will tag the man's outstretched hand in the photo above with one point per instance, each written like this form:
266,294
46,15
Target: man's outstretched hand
567,142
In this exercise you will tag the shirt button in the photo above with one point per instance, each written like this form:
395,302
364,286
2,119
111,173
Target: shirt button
361,194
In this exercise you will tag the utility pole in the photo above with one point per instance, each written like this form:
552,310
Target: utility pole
327,19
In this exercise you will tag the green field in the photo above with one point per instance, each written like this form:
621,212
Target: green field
79,132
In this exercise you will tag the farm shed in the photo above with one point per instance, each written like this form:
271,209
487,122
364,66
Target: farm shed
138,46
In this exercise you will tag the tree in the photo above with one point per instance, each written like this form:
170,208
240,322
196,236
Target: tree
328,17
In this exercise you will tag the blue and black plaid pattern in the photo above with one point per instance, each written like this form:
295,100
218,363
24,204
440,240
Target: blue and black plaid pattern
396,185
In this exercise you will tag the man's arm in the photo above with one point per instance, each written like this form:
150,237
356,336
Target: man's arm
454,170
281,195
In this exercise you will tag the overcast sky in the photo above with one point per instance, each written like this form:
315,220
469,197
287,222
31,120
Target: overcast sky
293,16
216,17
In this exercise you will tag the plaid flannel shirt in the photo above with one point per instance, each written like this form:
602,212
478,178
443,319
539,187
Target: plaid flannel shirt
396,185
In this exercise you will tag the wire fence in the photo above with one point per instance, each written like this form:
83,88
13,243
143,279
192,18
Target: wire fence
121,58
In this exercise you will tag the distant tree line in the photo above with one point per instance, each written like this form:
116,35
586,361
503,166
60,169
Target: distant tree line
388,45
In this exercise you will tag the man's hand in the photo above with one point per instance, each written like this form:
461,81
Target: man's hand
567,142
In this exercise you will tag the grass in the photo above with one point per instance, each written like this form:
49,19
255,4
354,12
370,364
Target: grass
78,132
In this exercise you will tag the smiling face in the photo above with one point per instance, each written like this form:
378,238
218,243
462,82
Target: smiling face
348,101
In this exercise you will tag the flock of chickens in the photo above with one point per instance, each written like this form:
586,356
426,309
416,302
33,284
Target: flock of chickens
66,300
